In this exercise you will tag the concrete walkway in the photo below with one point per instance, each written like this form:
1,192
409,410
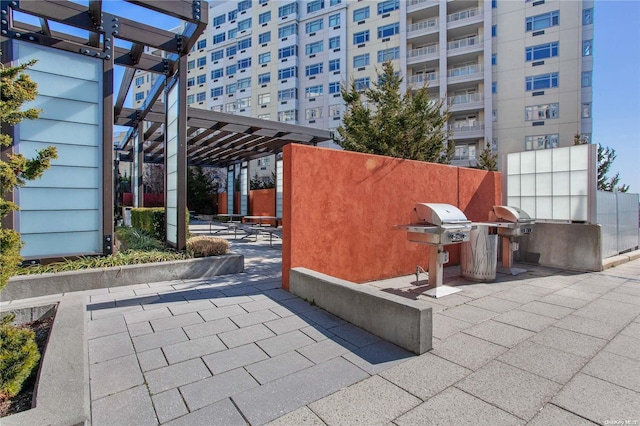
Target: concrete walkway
547,346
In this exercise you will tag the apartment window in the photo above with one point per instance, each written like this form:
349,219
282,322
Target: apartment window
287,30
334,2
139,81
334,110
216,91
542,51
201,97
244,63
586,110
231,88
244,102
362,83
201,79
314,6
361,14
201,62
314,69
287,94
244,5
587,47
334,65
494,59
587,16
191,65
388,6
541,142
494,30
290,115
287,73
231,107
191,82
264,37
334,42
263,1
361,37
334,20
218,38
264,99
244,24
494,4
231,69
285,52
202,44
388,30
190,99
219,20
388,54
313,26
287,9
244,83
541,112
361,60
264,116
263,58
244,43
264,78
139,96
315,47
494,115
216,55
586,137
494,87
539,82
539,22
312,113
232,33
334,87
313,91
265,17
586,79
232,15
232,50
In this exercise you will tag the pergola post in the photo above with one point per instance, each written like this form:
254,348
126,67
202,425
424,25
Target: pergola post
139,165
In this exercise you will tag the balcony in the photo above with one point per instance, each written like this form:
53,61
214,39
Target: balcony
472,131
423,27
415,5
467,73
420,80
466,101
465,17
421,54
465,45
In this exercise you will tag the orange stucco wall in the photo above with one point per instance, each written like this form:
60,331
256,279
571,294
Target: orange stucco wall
222,202
339,209
262,202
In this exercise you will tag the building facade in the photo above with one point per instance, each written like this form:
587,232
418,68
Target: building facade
515,73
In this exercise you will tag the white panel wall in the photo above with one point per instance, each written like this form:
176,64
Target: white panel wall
61,213
230,190
244,191
618,216
172,164
555,184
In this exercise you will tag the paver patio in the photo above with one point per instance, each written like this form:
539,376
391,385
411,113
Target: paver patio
547,346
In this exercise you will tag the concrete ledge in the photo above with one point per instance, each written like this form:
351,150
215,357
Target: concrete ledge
393,318
62,394
620,259
27,286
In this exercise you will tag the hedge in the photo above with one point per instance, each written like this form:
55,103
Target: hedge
150,220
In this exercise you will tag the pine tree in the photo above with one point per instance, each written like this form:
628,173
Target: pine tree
16,88
606,156
383,121
488,159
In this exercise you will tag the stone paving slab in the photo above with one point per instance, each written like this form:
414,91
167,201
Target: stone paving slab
114,376
222,413
279,366
552,414
110,347
302,416
499,333
169,405
131,407
468,351
234,358
617,369
215,388
176,375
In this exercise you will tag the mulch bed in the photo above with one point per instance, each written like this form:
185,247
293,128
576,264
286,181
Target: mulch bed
23,400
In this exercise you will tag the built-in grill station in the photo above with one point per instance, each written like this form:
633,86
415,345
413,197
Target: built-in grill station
439,225
511,223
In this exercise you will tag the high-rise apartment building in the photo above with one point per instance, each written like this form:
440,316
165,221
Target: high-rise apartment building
516,73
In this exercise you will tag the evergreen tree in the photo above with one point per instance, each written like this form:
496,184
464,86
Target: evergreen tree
16,88
383,121
488,159
200,191
606,156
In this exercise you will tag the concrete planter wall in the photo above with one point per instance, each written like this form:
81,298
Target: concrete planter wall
27,286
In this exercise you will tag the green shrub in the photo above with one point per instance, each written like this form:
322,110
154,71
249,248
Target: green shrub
207,246
150,220
135,239
18,356
10,258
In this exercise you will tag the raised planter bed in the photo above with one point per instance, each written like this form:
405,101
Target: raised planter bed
27,286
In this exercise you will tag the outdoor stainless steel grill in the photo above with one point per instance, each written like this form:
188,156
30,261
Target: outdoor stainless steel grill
439,225
511,222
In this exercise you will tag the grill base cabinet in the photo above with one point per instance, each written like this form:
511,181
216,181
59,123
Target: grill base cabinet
511,222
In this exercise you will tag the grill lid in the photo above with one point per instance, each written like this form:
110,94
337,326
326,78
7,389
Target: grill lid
439,214
511,214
